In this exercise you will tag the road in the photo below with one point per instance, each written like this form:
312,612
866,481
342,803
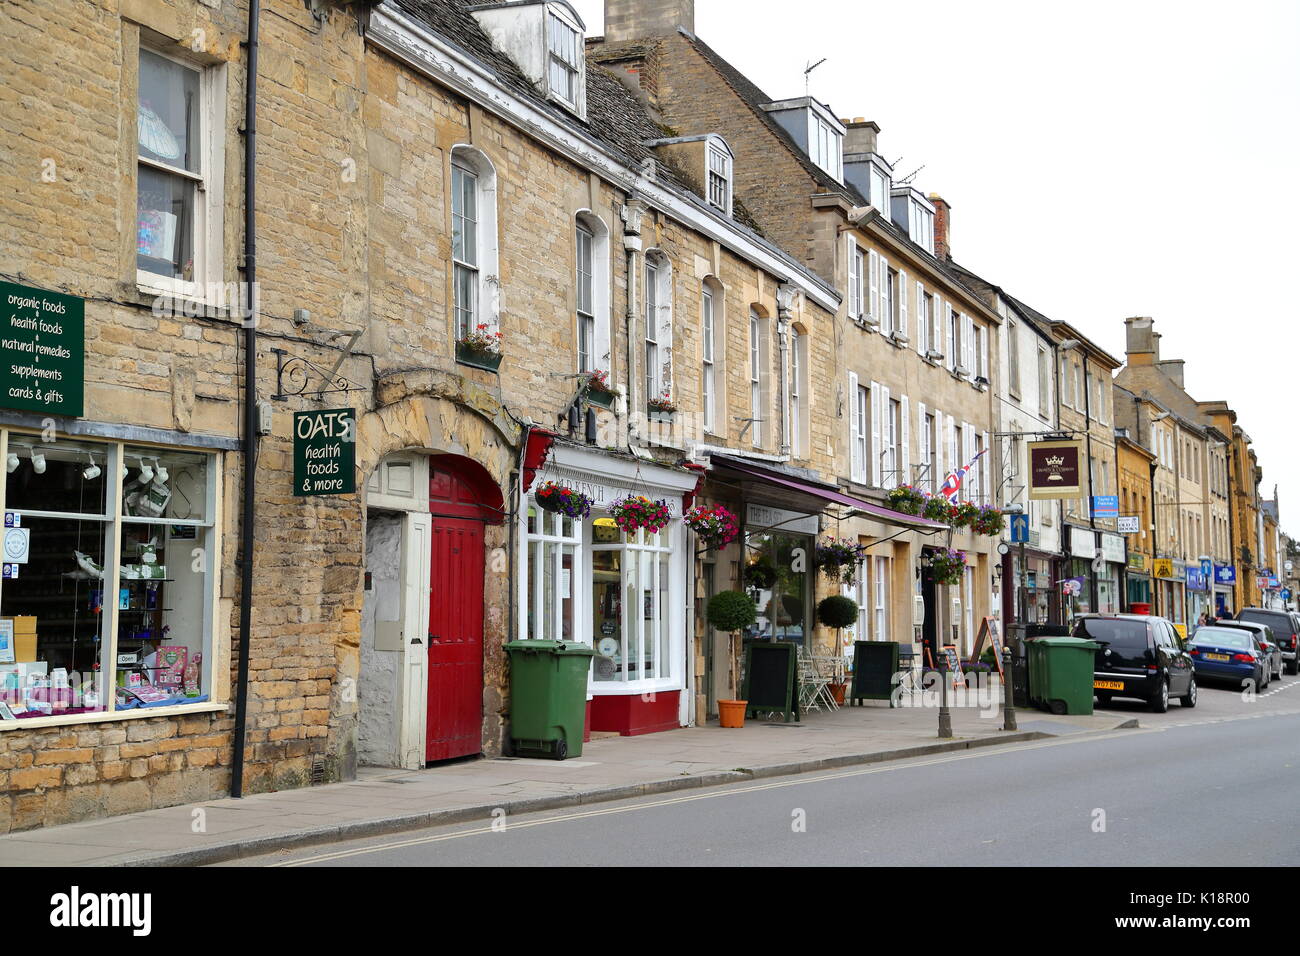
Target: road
1209,786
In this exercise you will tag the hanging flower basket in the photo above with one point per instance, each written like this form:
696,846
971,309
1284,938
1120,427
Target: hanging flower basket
598,390
637,511
947,566
480,348
838,558
967,515
990,521
759,576
906,499
563,500
716,527
939,508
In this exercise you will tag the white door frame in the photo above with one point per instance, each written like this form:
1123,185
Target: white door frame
413,713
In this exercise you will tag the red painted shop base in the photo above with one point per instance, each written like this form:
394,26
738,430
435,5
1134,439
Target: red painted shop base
633,715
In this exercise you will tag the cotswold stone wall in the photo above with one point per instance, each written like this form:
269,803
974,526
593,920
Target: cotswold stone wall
353,227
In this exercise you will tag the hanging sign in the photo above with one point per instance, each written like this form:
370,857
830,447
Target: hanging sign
1055,470
1225,573
44,345
1105,506
1129,524
1162,568
1112,547
325,452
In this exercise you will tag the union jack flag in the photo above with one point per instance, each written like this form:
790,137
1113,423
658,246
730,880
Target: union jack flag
952,484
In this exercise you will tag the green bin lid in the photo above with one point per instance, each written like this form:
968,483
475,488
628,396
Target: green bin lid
551,647
1082,642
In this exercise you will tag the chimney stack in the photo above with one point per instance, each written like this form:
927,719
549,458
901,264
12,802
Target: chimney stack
637,19
942,227
861,136
1142,342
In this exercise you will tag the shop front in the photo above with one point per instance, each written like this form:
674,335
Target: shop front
108,601
1225,585
1137,584
1080,581
1170,592
1110,596
622,590
1197,590
1035,578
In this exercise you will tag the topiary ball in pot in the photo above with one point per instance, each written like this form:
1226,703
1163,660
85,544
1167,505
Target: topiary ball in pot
731,611
838,611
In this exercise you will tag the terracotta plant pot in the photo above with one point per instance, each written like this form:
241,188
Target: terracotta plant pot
731,713
838,691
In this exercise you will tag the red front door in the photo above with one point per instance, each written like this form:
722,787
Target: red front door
455,724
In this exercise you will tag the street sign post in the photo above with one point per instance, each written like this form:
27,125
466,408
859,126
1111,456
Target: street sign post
1019,528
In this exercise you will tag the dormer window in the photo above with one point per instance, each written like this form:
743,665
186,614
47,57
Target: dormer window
914,214
563,59
544,38
719,173
824,145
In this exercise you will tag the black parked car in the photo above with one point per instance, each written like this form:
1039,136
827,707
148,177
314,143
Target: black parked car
1140,656
1286,632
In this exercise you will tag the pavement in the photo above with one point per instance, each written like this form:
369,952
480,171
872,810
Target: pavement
382,801
386,801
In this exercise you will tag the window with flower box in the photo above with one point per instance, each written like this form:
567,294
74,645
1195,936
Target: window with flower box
108,603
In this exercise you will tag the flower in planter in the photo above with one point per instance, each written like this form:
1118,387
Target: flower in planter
663,403
990,521
906,499
563,500
947,566
939,508
482,339
839,558
967,515
598,380
716,526
637,511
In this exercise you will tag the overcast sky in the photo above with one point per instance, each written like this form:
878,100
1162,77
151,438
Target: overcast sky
1102,160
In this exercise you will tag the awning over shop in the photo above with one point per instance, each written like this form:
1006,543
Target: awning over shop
825,493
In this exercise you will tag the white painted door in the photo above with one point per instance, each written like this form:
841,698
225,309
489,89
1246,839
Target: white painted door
416,532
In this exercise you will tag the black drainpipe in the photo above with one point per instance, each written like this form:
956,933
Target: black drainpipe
250,405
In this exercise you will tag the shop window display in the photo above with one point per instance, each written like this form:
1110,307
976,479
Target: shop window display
66,636
782,603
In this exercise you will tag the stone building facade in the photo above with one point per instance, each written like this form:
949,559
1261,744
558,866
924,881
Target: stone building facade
913,384
389,133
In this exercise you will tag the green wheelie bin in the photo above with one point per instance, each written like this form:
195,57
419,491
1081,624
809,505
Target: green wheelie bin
548,697
1061,674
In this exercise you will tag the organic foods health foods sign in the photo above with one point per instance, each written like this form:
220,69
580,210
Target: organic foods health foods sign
44,347
1055,469
325,452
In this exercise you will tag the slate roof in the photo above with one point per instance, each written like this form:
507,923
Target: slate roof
614,116
754,97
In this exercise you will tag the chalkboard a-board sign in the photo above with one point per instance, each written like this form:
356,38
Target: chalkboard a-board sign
874,665
953,660
771,675
990,630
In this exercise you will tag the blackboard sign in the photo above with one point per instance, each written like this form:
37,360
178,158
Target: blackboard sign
325,452
771,677
989,629
953,660
874,665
